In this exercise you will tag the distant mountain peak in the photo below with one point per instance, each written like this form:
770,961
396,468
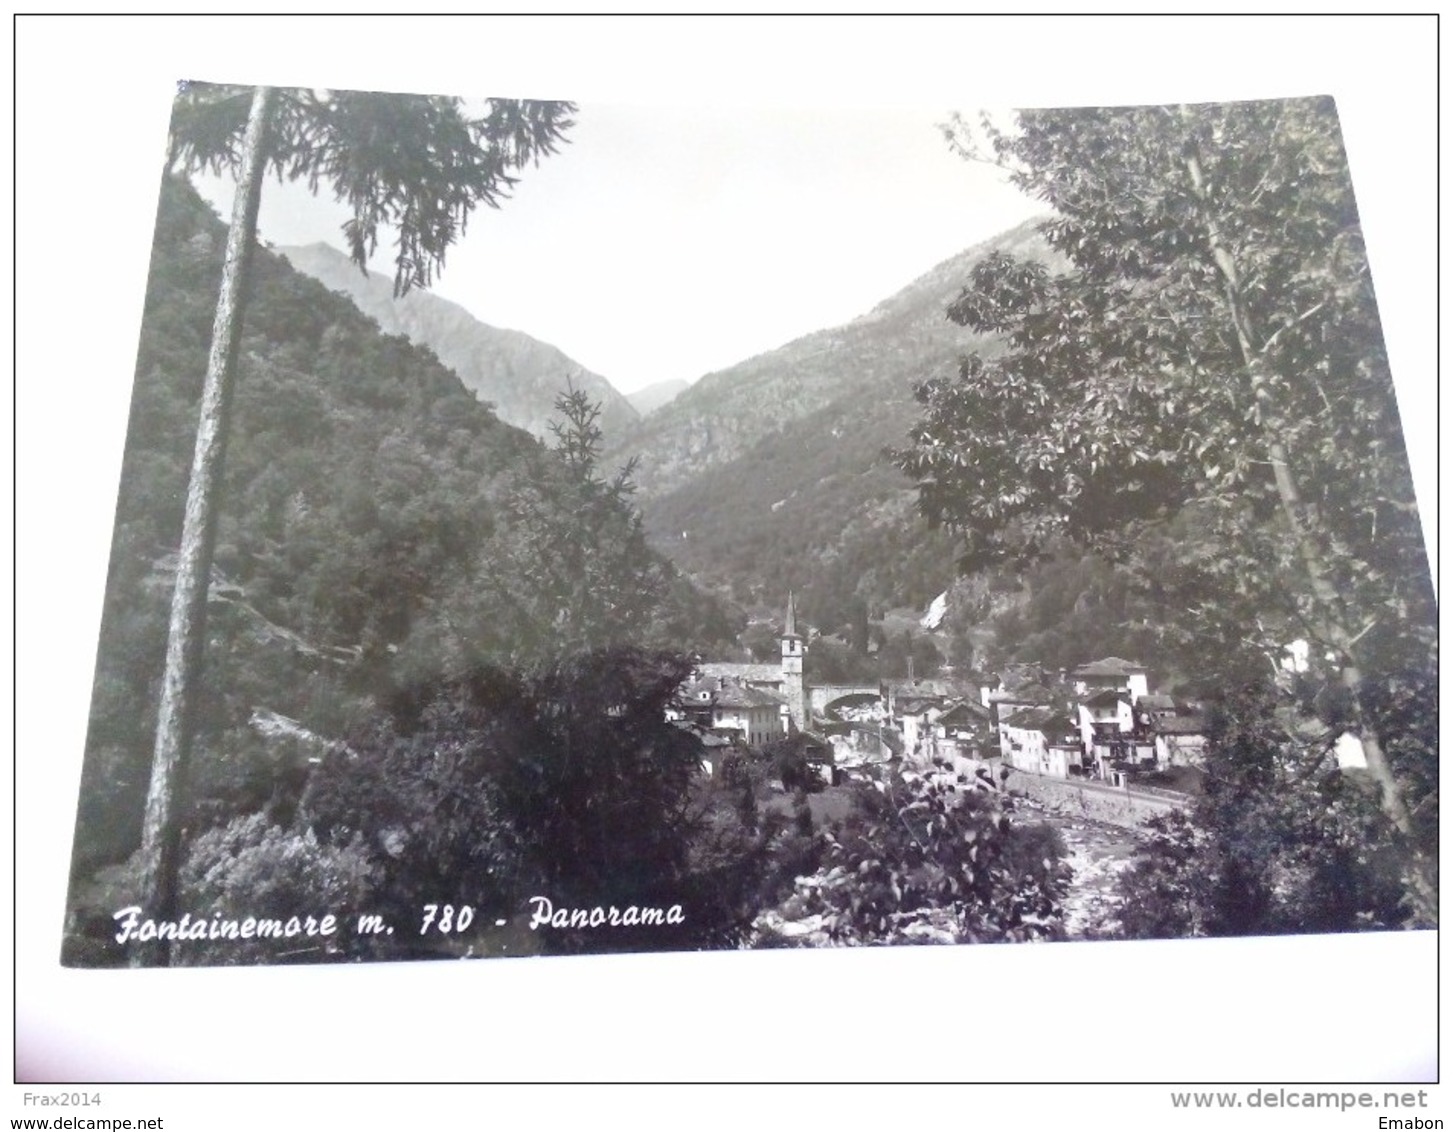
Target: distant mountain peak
771,475
872,360
517,374
658,395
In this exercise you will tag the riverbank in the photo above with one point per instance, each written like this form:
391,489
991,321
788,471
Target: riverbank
1096,801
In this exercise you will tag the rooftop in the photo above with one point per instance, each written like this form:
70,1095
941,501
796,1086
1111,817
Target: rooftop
753,673
1181,725
1110,666
721,692
1024,694
964,713
1044,719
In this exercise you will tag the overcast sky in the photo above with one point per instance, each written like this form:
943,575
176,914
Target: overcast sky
669,241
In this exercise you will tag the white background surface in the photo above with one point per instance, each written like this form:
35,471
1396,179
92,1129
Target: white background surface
93,100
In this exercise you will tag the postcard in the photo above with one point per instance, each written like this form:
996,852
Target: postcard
556,529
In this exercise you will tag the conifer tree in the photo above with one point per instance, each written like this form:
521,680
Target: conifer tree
418,165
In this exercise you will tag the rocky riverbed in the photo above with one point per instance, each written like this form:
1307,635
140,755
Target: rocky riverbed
1098,853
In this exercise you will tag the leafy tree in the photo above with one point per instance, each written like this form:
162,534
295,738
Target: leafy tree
1166,892
763,641
787,757
925,859
417,164
329,548
1272,845
565,781
252,868
1211,352
833,662
1074,607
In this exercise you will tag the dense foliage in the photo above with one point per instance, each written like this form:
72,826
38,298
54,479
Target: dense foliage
1203,395
380,529
1275,844
419,165
567,784
485,794
1074,607
924,857
814,508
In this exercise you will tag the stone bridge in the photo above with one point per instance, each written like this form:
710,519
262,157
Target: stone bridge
821,696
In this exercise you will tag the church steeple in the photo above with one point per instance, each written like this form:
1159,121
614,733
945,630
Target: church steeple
794,649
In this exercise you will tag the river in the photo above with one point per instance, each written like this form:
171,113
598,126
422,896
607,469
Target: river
1098,853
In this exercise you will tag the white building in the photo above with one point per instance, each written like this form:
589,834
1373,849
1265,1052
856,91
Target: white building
1111,674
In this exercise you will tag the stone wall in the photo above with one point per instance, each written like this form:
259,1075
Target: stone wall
1095,800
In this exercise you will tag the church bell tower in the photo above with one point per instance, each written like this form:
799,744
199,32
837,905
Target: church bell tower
794,650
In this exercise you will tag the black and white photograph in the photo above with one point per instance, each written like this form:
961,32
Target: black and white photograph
556,527
1074,590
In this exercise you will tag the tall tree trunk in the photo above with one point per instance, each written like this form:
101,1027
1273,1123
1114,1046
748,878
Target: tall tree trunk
1422,891
161,831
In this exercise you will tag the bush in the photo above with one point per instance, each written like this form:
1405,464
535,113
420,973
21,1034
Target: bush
251,868
926,858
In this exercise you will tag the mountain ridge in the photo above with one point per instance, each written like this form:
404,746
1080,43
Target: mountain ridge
657,395
902,338
517,374
772,475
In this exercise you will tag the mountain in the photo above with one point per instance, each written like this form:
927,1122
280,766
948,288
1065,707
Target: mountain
646,401
903,339
771,475
519,375
379,528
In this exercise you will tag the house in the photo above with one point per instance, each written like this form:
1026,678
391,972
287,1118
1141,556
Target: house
720,705
1013,677
965,721
767,677
1105,715
913,697
1152,707
961,737
1006,701
1042,741
1111,674
1180,740
715,746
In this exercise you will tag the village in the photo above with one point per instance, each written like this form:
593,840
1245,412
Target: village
1099,723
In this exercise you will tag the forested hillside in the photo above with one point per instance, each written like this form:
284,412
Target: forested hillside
772,475
439,664
814,508
381,530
